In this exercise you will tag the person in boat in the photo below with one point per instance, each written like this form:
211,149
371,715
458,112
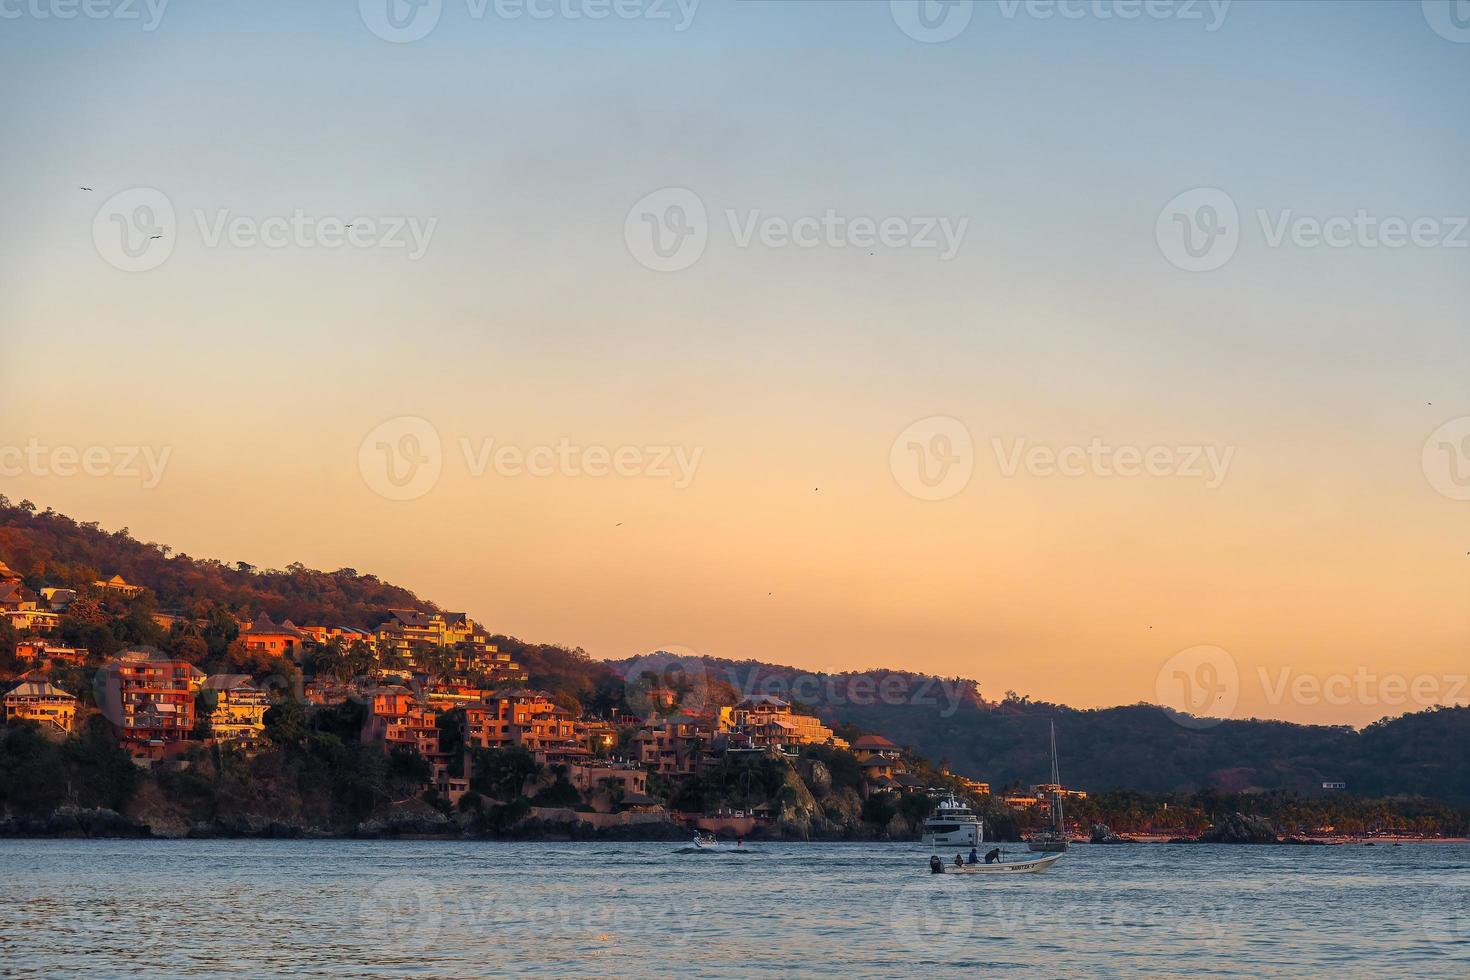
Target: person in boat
936,866
959,862
992,856
974,857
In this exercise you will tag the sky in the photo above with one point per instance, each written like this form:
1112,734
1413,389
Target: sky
1100,351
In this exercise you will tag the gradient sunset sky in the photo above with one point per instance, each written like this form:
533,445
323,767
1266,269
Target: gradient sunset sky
1331,544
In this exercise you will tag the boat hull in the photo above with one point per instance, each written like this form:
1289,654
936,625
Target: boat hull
1025,866
1046,846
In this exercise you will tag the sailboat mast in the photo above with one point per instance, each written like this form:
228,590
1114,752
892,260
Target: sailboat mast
1056,781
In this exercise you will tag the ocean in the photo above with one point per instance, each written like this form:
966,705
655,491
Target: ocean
197,908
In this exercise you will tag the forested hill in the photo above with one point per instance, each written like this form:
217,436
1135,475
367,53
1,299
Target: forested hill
47,548
1006,742
1003,742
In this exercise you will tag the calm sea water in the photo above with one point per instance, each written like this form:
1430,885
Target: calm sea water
434,908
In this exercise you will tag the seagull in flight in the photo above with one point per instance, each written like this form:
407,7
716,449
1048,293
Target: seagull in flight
86,188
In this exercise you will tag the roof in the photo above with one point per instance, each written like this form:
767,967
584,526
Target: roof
263,624
873,742
6,571
229,682
15,590
771,700
38,689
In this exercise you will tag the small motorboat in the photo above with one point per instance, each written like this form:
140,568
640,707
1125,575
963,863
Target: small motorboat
707,842
1016,866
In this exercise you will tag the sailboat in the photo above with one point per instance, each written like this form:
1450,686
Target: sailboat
1055,839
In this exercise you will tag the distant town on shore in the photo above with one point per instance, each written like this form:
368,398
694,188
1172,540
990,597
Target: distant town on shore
151,693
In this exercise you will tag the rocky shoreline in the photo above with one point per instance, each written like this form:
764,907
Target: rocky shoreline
420,822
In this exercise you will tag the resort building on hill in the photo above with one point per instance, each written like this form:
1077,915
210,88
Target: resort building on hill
519,717
42,702
973,786
119,585
400,719
40,652
15,597
769,722
326,634
57,599
407,630
677,746
265,637
42,621
869,746
150,700
240,707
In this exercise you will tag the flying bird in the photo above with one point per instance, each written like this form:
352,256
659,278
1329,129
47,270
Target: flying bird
86,188
154,238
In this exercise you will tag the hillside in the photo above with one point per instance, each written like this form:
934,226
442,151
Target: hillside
45,547
1003,742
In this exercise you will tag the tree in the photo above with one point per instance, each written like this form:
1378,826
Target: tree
501,774
205,702
879,809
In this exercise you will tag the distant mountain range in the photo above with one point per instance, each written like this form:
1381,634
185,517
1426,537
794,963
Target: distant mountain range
1002,742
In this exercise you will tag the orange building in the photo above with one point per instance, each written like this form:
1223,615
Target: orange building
41,702
33,652
770,723
150,699
119,585
519,717
677,747
870,745
266,637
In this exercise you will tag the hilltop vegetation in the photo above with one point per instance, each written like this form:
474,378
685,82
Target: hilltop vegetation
45,547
